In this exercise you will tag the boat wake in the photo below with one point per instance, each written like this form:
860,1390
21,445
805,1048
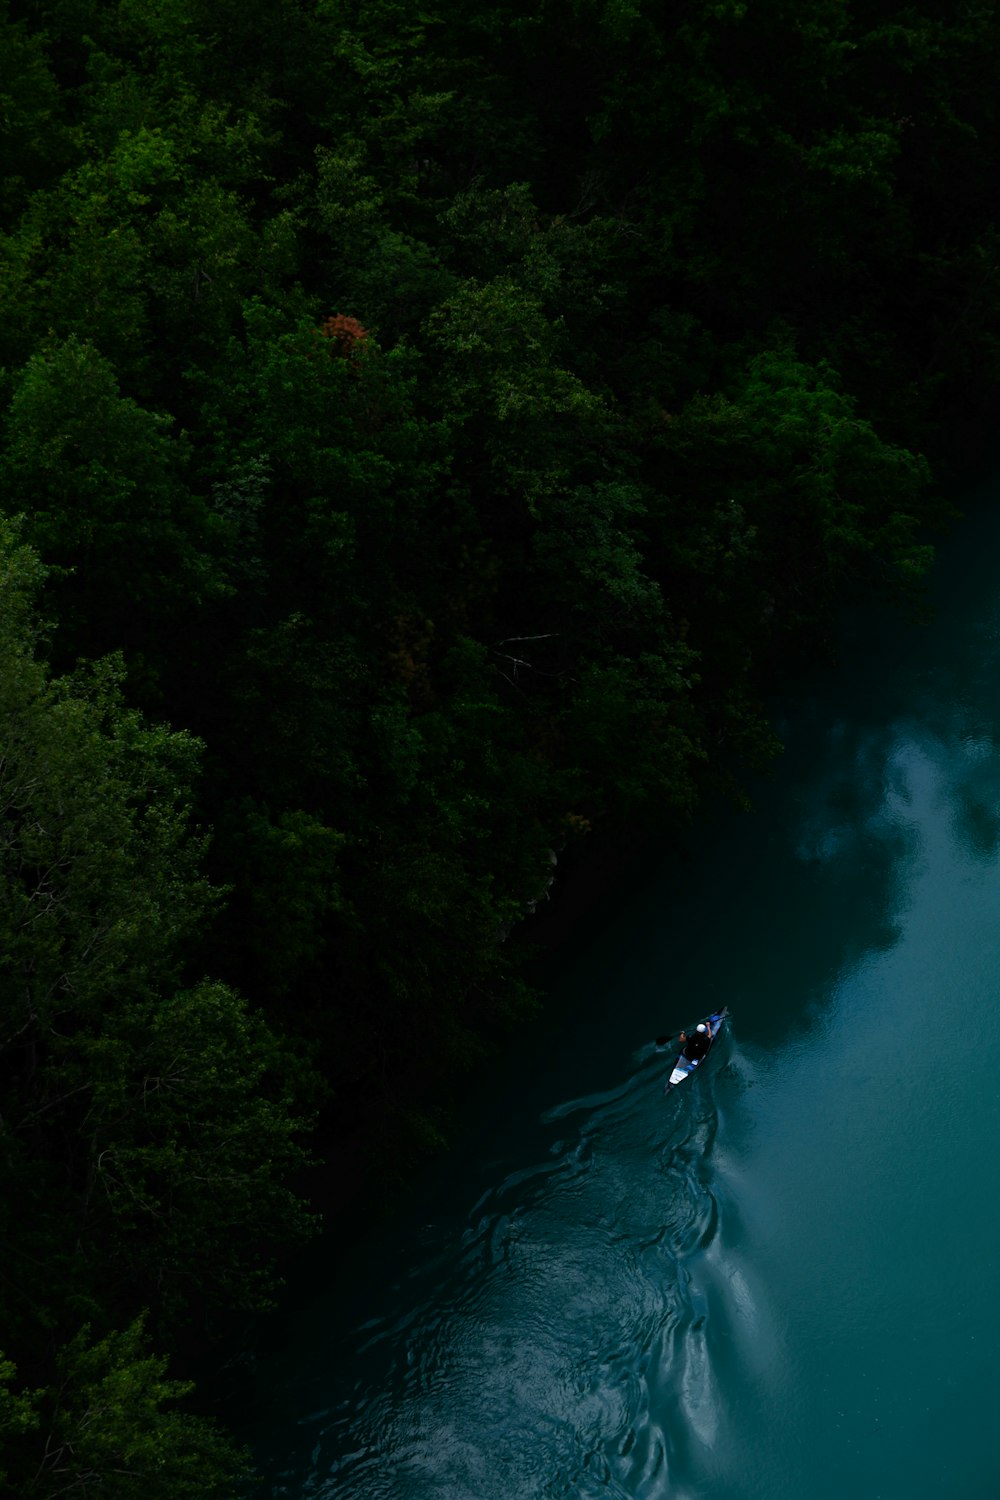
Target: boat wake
560,1342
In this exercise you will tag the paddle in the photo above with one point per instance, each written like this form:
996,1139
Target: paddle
661,1041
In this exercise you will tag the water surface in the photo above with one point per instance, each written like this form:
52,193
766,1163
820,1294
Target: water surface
778,1282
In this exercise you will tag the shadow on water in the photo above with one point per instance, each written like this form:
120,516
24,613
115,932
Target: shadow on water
532,1325
553,1310
718,926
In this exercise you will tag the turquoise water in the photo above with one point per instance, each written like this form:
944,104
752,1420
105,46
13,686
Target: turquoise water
779,1281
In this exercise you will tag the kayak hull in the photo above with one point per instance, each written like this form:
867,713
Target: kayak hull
684,1066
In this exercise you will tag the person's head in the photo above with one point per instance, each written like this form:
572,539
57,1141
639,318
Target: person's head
702,1026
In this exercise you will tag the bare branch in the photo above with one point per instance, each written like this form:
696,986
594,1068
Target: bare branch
548,636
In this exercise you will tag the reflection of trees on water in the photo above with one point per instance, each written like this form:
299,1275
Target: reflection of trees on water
834,844
775,905
772,908
950,688
975,795
958,714
952,703
829,876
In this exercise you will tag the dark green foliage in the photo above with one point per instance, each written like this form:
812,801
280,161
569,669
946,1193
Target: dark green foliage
33,140
99,481
451,422
109,1429
147,1129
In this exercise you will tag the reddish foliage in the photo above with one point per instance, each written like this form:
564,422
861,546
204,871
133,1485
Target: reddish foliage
347,334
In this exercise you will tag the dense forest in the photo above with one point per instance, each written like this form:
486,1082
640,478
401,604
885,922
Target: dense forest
426,432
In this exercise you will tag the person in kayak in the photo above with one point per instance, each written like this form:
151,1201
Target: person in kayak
697,1044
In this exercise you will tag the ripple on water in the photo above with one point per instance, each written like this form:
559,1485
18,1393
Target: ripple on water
521,1355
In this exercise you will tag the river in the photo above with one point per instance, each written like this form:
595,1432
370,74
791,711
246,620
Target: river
779,1282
